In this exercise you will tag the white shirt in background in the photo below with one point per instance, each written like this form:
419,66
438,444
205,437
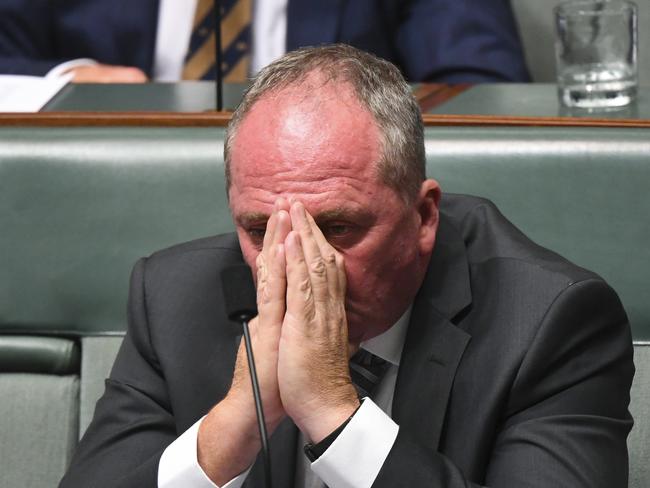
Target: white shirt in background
175,18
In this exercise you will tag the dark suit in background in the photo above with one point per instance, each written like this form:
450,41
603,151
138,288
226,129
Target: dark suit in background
429,40
516,368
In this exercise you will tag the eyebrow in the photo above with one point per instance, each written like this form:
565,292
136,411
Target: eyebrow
251,218
340,213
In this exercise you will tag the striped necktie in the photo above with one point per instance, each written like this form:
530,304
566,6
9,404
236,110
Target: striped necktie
235,38
366,371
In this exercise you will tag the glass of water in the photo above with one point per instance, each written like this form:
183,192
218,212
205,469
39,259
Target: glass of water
596,52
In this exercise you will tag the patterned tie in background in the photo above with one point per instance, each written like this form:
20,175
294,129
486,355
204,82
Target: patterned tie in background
366,371
235,41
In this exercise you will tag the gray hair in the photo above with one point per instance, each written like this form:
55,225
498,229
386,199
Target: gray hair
378,86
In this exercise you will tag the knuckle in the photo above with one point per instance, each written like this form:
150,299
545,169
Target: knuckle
317,267
264,295
304,286
330,258
260,264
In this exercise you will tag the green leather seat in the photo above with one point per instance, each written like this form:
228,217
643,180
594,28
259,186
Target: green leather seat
639,440
79,206
581,192
39,409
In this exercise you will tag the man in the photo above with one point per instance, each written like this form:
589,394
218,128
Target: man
430,40
507,365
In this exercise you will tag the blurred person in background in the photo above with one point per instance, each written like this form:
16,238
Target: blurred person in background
452,41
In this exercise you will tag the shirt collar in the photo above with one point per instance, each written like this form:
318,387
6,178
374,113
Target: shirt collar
389,344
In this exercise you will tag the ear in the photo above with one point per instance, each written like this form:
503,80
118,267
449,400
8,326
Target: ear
427,207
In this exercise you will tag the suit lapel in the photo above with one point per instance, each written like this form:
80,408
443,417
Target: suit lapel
434,345
313,22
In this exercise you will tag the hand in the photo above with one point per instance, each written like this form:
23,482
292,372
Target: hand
313,371
228,440
104,73
266,328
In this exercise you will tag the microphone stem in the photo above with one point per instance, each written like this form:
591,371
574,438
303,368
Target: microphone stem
258,405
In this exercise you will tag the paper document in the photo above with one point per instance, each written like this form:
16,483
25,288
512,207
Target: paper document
28,93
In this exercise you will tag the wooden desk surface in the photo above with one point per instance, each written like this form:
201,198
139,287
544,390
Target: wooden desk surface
188,104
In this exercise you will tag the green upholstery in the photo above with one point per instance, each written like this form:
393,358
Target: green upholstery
98,355
535,20
45,355
639,440
39,422
580,192
79,206
39,408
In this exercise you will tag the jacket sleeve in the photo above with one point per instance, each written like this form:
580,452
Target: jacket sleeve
459,41
27,37
567,418
133,422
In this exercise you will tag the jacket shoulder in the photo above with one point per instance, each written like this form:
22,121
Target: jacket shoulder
219,244
490,237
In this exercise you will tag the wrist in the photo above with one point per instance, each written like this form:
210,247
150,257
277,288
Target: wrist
242,405
227,442
321,423
314,451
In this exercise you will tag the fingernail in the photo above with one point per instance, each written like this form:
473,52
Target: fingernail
300,208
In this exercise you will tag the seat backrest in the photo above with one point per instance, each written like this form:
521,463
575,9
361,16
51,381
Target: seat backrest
537,31
639,440
78,207
580,192
39,409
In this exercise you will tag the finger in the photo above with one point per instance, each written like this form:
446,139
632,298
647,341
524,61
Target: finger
282,204
331,257
300,299
342,277
277,281
282,227
316,264
272,271
270,231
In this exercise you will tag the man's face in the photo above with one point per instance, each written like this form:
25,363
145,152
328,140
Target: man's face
316,144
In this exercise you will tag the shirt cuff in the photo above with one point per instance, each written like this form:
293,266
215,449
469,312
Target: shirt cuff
179,466
358,453
63,68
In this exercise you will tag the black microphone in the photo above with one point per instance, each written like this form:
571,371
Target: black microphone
241,306
239,293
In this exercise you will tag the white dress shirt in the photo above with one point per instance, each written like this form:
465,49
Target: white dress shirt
354,458
175,18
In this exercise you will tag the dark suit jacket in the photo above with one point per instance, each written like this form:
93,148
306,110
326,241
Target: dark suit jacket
443,40
516,368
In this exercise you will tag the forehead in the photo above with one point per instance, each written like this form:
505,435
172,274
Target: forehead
314,137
